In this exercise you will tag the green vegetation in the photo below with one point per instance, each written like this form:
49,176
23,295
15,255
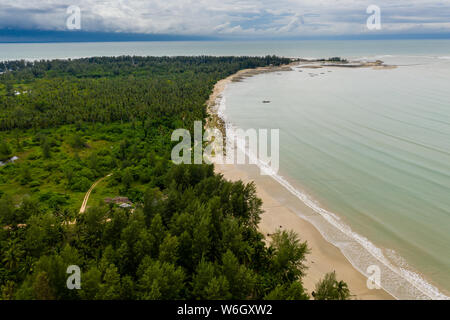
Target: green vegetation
333,59
337,59
331,289
189,235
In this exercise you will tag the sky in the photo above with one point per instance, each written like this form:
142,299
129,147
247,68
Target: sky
230,18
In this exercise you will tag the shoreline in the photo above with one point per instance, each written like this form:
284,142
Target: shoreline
324,257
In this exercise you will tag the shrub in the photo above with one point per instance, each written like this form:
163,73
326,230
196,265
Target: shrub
81,184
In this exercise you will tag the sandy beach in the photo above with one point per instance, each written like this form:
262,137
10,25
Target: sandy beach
281,211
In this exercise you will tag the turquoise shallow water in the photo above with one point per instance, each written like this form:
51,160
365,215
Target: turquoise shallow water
372,147
311,48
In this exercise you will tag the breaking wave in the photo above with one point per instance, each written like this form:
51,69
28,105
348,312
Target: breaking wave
397,278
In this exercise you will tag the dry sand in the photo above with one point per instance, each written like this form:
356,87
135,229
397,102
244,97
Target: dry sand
324,256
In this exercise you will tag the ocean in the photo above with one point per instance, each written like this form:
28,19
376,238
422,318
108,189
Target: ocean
367,150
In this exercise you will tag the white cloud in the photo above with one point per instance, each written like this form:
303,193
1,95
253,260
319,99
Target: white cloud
236,17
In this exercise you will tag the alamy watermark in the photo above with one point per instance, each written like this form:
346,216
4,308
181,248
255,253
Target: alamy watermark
73,21
241,145
374,20
374,280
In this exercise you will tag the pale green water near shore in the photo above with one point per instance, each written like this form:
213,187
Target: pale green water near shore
372,147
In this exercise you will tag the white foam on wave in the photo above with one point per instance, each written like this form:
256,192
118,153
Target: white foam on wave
397,279
383,56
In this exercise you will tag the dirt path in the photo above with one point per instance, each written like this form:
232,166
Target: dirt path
83,206
86,197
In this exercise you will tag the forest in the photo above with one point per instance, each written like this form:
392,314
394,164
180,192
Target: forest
178,231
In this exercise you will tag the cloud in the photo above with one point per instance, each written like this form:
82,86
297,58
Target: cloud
229,17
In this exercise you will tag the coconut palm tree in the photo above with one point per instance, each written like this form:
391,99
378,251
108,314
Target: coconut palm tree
342,290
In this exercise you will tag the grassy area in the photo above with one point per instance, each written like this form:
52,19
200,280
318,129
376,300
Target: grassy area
16,87
57,166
